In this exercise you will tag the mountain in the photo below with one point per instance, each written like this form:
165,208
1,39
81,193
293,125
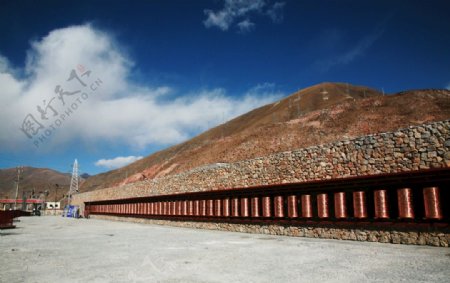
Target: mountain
315,115
85,175
37,180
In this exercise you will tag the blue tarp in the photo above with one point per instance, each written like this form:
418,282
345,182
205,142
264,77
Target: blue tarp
71,211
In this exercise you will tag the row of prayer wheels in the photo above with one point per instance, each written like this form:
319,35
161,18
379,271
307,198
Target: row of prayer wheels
291,206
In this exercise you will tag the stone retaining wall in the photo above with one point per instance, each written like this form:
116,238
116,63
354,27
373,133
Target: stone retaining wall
438,239
414,148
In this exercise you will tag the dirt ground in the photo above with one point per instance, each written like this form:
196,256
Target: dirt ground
52,249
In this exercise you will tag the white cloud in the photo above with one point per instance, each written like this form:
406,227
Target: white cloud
245,26
448,86
120,111
240,11
117,162
276,12
357,48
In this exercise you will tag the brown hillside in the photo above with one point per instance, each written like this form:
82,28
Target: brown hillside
34,179
319,114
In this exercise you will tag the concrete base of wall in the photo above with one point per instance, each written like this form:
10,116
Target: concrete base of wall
438,239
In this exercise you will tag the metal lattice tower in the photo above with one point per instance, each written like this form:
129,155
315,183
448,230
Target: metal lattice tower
73,182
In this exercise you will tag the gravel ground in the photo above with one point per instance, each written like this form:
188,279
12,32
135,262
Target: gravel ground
51,249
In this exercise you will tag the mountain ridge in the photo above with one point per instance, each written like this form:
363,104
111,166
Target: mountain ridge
318,114
34,182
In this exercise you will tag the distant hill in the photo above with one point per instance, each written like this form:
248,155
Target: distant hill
315,115
37,180
85,175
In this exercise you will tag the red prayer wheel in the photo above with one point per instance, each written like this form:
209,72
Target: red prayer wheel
210,206
432,203
255,206
340,206
168,207
292,206
226,207
244,207
178,208
157,208
278,206
174,208
322,206
191,208
203,207
196,208
235,207
218,207
307,211
161,208
167,210
405,203
266,208
359,204
184,208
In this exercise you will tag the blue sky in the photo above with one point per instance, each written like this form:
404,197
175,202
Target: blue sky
155,73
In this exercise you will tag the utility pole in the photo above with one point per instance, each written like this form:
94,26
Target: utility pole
56,199
46,193
19,171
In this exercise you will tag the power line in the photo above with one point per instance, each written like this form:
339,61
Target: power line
19,171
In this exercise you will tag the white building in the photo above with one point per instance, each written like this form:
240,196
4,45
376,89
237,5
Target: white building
53,205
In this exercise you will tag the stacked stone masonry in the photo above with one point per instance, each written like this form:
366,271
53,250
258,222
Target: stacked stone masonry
437,239
411,149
